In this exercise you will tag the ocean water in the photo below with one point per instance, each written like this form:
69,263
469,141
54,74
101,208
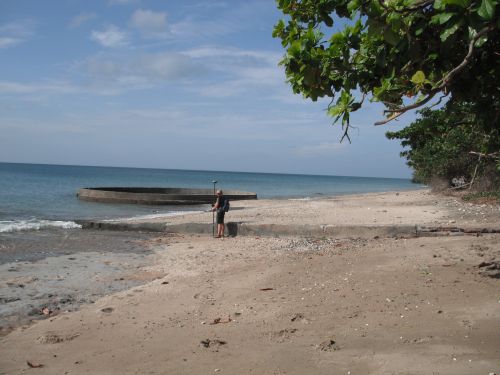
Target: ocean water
38,196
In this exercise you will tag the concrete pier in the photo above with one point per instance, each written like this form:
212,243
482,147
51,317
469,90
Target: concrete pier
158,196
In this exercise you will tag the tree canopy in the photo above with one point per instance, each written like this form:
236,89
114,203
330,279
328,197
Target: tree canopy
402,53
452,143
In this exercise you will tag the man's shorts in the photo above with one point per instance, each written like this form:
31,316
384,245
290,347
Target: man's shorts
220,217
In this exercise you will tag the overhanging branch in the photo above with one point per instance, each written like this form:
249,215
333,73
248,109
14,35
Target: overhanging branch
449,77
399,111
445,82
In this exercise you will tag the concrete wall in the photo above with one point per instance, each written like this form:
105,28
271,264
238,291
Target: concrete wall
157,196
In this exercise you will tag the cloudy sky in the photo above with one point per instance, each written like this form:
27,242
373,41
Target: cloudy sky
191,84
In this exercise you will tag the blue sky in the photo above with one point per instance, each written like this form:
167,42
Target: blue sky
168,84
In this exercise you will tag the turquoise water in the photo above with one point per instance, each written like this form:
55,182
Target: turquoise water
33,196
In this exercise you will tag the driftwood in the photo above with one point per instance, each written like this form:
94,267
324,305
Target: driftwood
423,231
494,155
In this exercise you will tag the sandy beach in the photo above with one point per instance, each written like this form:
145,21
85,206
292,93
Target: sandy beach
309,303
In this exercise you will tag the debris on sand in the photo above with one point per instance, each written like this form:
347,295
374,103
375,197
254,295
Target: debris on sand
55,338
34,364
207,343
491,269
46,311
297,317
221,321
328,346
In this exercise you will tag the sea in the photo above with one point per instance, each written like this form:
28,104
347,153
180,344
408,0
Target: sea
58,266
35,197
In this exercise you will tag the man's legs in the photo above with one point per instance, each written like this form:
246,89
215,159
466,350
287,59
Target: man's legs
220,230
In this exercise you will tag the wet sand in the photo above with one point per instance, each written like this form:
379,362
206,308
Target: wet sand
44,273
295,304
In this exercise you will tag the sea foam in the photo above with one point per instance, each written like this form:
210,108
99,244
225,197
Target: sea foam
155,216
35,224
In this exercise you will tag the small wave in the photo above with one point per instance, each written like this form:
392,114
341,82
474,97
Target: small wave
35,224
300,199
156,216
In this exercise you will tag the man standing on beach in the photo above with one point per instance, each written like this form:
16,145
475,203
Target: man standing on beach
219,208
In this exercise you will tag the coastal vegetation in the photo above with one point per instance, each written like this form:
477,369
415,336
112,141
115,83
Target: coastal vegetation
441,56
452,144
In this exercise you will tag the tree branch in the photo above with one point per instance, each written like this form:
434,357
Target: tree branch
449,77
493,155
445,82
346,133
438,102
414,105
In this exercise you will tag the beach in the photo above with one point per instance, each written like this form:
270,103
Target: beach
330,285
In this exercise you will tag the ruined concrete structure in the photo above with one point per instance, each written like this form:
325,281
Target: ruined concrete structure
157,196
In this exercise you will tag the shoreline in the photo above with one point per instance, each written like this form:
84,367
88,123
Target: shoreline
405,210
289,304
56,200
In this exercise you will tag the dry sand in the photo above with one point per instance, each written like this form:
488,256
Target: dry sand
294,305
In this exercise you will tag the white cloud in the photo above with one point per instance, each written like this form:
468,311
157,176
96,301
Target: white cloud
7,87
208,71
189,29
6,41
22,28
200,121
228,18
14,33
80,19
111,37
167,65
108,74
239,70
101,67
321,149
233,53
149,23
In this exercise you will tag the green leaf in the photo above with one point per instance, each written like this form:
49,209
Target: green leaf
336,110
337,38
352,5
278,29
438,4
487,10
441,18
391,37
418,78
294,48
481,41
450,31
328,21
459,3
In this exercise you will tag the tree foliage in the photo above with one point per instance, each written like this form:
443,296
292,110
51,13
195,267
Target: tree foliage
451,143
402,53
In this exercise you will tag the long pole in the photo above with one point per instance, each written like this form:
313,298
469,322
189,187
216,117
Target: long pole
213,213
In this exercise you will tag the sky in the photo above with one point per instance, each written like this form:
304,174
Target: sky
191,84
